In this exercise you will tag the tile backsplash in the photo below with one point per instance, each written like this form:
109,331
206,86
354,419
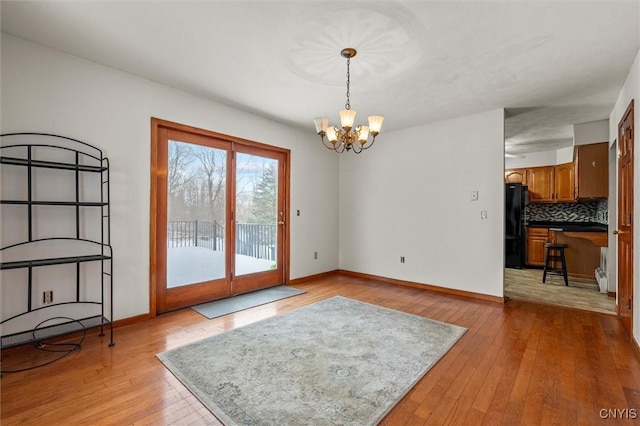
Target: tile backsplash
597,211
602,211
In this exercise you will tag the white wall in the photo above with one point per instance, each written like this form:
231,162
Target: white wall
612,249
630,91
543,158
564,155
44,90
591,132
532,159
411,196
583,134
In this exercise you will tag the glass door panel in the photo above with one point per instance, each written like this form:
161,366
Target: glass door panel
257,214
218,214
196,213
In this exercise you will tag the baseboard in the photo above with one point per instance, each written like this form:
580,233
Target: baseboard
313,277
634,343
438,289
589,277
131,320
612,294
94,331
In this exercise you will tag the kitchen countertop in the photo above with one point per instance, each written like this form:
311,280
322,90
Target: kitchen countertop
570,226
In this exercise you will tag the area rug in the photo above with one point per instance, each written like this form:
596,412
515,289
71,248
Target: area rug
241,302
335,362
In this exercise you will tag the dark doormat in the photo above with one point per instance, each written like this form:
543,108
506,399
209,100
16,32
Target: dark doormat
241,302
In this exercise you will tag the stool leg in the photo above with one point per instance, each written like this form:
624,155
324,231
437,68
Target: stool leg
564,267
546,262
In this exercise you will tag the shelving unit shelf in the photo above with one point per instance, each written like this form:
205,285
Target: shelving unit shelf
49,219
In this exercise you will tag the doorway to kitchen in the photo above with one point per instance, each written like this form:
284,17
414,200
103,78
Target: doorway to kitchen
545,204
218,216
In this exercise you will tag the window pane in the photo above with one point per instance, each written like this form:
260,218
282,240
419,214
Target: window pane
256,213
196,214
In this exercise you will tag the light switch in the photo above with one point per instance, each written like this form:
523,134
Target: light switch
474,195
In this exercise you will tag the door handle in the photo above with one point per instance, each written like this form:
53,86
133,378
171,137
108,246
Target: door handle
280,223
617,232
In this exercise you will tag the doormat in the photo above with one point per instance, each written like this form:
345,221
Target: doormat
241,302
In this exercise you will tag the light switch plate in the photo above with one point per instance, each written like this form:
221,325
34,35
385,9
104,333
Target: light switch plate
474,195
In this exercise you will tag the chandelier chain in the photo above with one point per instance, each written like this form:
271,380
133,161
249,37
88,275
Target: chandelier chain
347,105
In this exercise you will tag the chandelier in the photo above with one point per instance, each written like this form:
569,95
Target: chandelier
347,137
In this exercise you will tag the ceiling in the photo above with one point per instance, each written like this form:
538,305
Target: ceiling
551,64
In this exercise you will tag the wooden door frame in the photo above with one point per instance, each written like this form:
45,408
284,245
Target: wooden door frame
628,112
156,125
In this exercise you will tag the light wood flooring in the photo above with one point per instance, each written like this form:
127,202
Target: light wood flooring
518,363
526,284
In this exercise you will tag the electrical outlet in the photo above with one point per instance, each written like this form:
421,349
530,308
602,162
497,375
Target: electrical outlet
474,195
47,297
483,214
315,255
401,259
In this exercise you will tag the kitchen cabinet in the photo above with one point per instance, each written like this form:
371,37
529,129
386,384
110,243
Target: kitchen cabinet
516,176
540,181
564,183
591,163
536,238
583,254
587,177
552,184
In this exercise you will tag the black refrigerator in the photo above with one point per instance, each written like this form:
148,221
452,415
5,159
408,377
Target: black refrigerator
516,199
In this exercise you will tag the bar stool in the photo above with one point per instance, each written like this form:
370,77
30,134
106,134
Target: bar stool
555,252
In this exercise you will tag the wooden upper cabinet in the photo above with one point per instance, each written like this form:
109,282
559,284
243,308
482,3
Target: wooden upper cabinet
591,164
541,184
516,176
565,191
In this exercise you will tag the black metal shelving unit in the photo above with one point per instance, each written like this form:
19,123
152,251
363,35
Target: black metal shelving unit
36,243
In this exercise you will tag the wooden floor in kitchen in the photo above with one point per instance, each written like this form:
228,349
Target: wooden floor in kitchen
518,363
526,284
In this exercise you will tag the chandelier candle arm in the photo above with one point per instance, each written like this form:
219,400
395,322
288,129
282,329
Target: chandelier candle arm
348,136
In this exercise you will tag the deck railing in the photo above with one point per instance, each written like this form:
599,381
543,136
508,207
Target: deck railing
252,239
256,240
199,233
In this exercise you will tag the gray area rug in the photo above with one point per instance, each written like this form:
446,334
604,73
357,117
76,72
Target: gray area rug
335,362
229,305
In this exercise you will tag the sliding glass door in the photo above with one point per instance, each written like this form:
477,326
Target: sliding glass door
218,216
260,222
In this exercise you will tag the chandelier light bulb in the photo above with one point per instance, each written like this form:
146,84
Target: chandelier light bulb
363,135
375,124
347,118
321,124
331,134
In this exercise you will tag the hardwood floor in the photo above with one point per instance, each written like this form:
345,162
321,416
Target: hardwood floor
526,284
518,363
